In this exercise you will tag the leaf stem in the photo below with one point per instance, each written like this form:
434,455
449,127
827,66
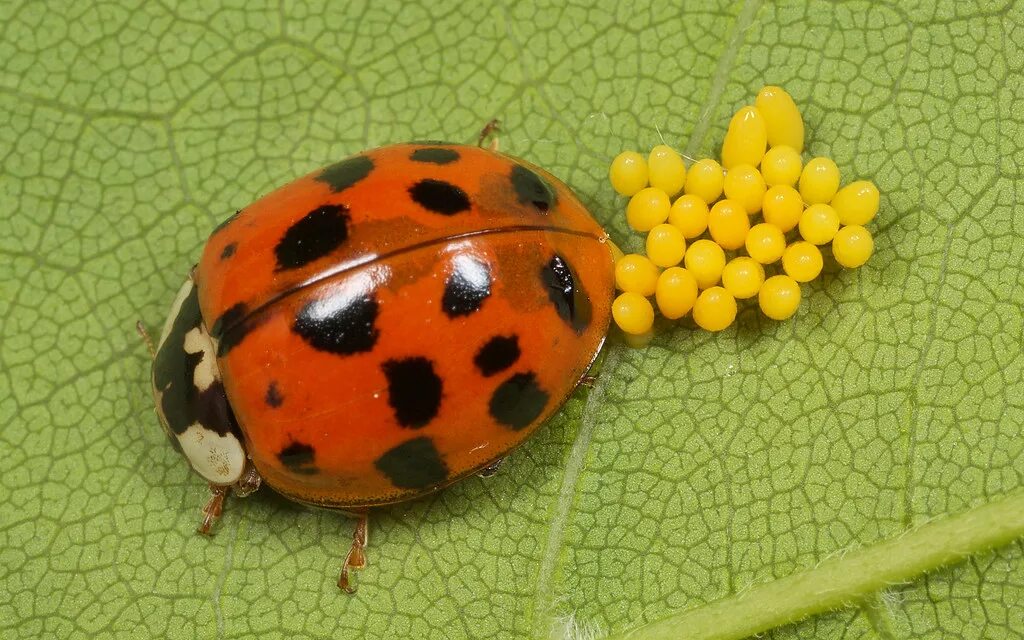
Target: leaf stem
845,579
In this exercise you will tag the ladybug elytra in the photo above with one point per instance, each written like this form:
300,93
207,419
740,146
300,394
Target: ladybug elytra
381,328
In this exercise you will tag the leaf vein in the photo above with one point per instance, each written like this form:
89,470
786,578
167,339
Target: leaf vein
543,605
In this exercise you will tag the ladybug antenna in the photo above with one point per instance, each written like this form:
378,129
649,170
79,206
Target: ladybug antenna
141,329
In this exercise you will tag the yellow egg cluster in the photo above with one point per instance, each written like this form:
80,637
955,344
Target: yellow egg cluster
714,229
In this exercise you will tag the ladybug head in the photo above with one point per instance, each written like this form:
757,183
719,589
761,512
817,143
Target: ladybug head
191,402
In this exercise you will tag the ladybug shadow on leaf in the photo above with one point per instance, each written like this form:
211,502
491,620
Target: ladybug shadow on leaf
428,523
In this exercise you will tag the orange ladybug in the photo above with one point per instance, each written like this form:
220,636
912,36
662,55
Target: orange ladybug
381,328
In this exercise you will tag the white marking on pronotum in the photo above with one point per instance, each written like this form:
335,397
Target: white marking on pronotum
218,458
179,299
206,373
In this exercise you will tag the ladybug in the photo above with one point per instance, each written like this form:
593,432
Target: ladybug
382,328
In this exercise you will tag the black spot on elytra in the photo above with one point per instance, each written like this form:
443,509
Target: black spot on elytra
531,189
339,324
317,234
229,250
232,327
273,396
439,196
344,174
498,354
182,403
414,390
571,302
234,314
298,457
466,288
234,336
434,155
518,401
414,464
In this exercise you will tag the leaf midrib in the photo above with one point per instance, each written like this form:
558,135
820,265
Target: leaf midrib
559,518
543,609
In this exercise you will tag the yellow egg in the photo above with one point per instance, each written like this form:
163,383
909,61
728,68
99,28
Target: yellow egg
802,261
819,223
782,118
666,169
714,309
856,203
779,297
689,214
647,209
852,246
744,184
704,180
633,313
783,207
676,292
728,223
819,180
628,173
746,138
743,277
781,165
637,274
705,260
765,243
665,245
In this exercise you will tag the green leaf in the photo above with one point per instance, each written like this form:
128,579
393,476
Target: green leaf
699,469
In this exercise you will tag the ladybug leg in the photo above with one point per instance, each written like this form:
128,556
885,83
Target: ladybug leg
490,469
356,556
213,508
141,328
588,381
489,129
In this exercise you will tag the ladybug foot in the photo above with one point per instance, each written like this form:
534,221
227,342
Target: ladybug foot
213,509
356,556
588,381
489,130
490,469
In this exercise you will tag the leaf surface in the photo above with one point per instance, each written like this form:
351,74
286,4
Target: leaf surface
698,466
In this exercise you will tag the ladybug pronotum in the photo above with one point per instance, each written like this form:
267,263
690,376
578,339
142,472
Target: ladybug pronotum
381,328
